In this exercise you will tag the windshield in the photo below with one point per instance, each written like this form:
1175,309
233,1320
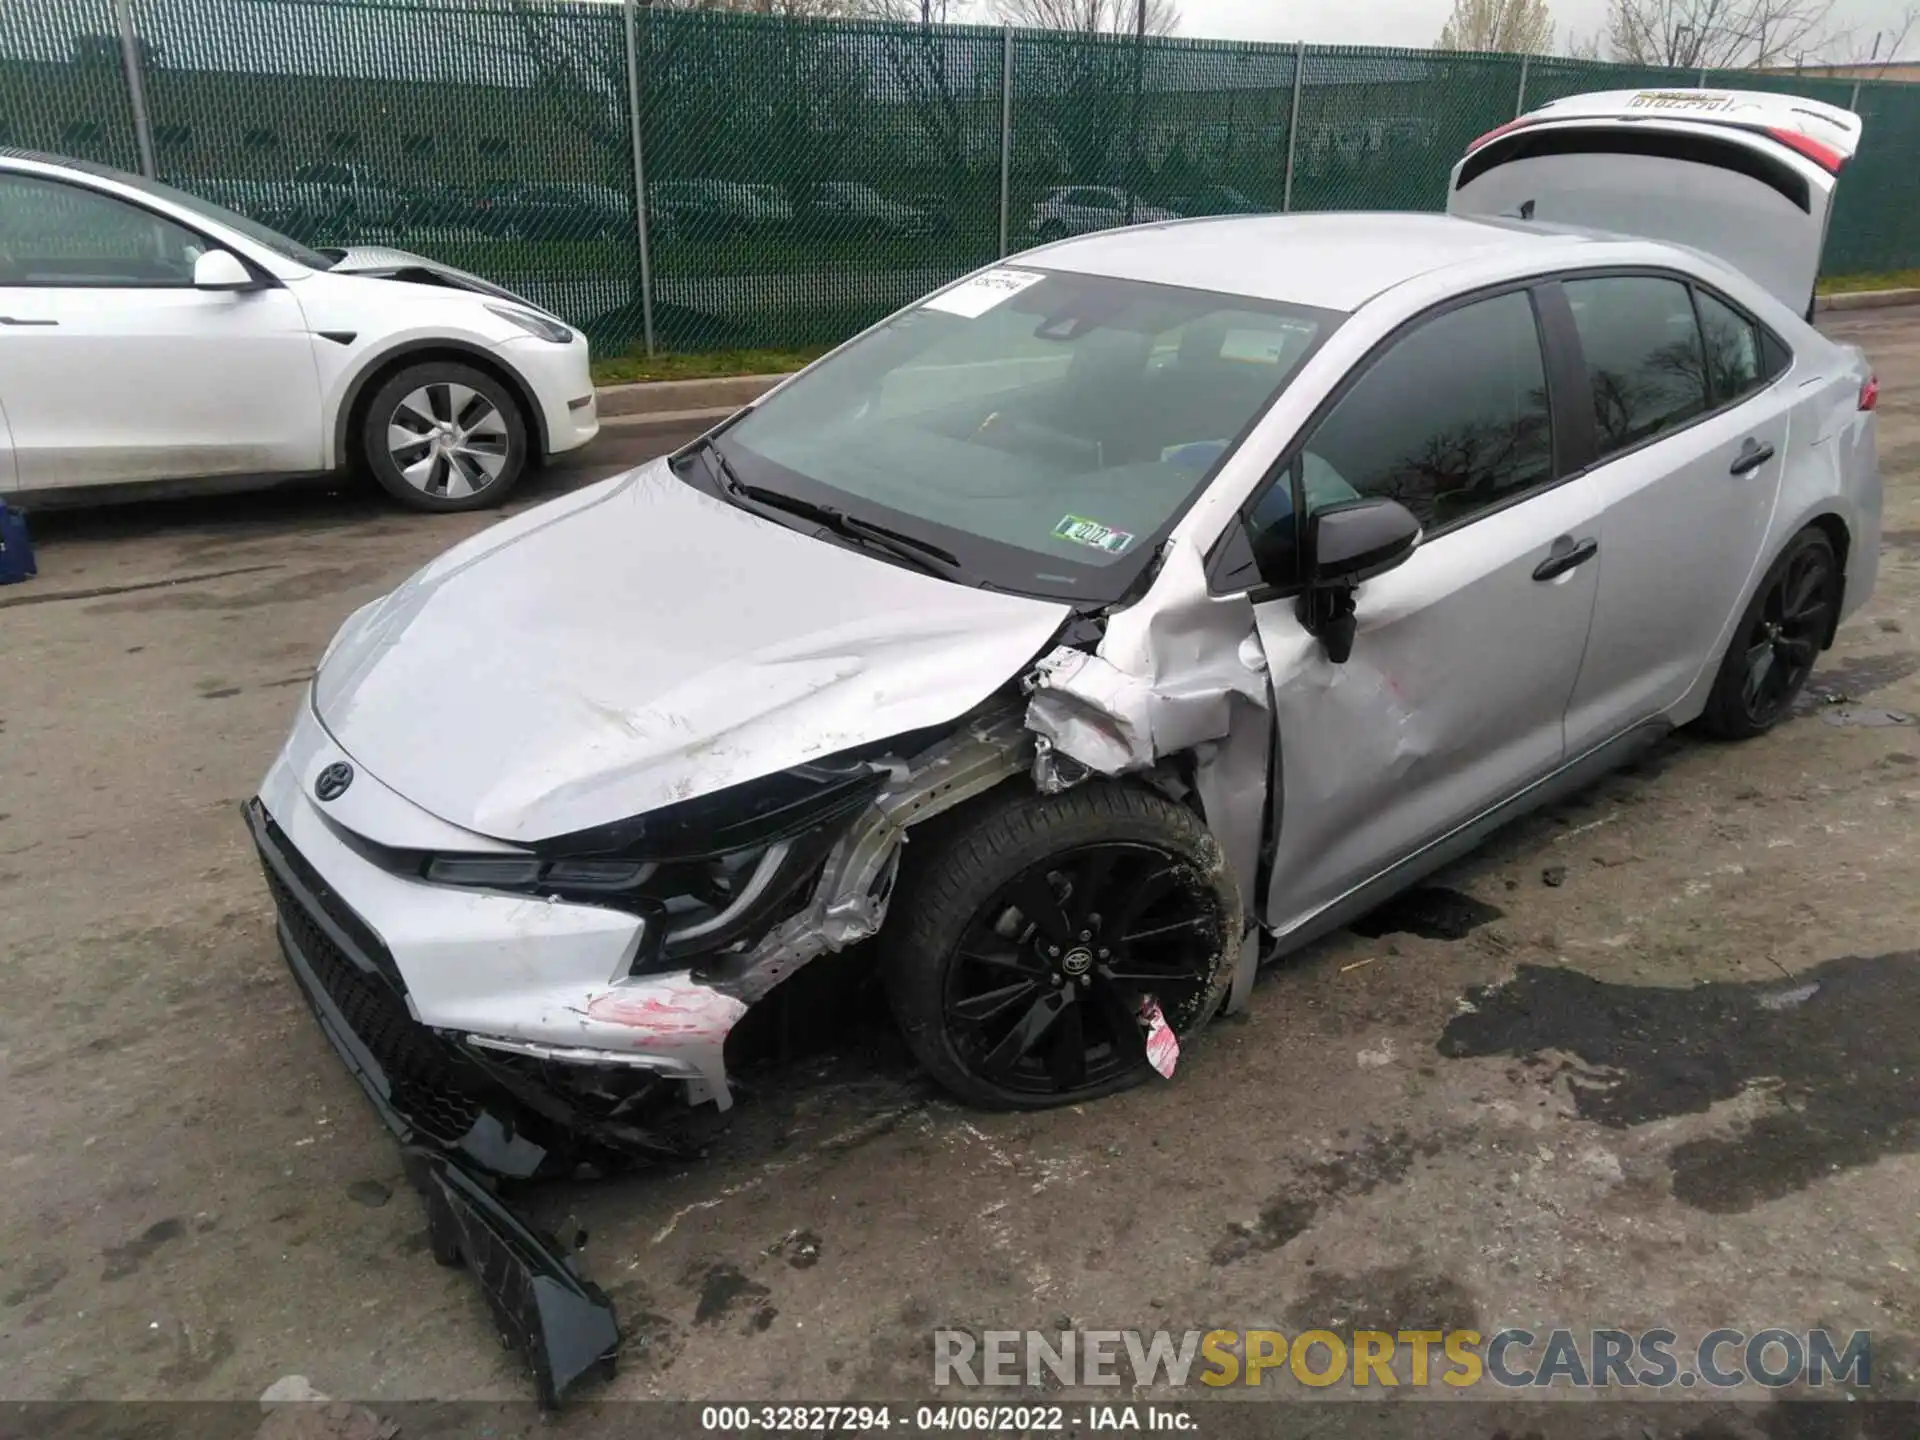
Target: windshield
285,246
1046,428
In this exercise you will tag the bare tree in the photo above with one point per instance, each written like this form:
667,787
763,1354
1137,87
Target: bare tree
1719,34
1589,46
1509,27
1882,48
792,9
924,12
1091,17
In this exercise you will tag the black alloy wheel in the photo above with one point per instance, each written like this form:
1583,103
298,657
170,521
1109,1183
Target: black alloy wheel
1039,934
1780,637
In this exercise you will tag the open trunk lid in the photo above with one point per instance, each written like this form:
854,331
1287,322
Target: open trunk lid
1745,176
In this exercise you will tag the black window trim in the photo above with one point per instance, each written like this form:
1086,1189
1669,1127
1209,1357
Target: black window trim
1762,331
260,276
1564,413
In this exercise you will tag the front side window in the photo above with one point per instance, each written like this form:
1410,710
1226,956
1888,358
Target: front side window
1451,421
1045,428
1644,361
57,234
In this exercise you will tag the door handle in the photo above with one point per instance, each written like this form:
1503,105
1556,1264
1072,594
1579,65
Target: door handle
1567,554
1753,454
23,320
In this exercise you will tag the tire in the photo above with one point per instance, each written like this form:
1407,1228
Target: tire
474,466
1786,626
1172,927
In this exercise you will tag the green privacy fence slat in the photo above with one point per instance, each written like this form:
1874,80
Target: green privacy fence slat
62,88
804,178
492,136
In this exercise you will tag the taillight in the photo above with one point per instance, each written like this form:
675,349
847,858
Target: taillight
1870,393
1496,132
1825,156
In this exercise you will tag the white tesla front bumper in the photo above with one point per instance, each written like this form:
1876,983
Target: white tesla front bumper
561,379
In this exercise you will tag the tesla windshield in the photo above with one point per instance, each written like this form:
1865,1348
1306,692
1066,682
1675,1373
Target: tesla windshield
1045,428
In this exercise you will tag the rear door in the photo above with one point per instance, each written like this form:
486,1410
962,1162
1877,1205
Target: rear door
1746,177
1691,433
8,475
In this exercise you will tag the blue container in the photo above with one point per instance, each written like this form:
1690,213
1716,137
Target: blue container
16,549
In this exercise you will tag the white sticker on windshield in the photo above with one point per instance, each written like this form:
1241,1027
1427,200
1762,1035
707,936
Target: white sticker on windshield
1262,347
974,298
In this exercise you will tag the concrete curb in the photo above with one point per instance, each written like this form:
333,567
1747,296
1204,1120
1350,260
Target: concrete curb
1867,300
683,397
704,417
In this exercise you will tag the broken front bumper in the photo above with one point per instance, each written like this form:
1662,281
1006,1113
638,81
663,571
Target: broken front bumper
445,1122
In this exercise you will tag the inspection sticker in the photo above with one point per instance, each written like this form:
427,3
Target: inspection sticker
974,298
1092,532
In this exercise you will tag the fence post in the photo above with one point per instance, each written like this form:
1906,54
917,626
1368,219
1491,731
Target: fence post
1703,77
639,175
1006,137
1520,100
136,86
1853,100
1293,124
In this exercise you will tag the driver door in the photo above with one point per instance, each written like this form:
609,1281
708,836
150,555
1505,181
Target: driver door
115,368
1455,693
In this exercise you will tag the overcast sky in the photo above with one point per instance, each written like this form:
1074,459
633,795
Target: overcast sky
1416,23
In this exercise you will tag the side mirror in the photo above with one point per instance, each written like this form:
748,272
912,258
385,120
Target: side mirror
1358,540
221,270
1346,544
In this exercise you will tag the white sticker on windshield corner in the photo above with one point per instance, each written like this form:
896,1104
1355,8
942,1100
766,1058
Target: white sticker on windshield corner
974,298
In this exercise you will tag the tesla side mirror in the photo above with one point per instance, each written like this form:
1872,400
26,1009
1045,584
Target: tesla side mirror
221,270
1346,544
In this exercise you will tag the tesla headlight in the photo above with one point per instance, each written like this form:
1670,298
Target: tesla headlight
543,326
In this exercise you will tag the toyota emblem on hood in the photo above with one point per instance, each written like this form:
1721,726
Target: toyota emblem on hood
333,781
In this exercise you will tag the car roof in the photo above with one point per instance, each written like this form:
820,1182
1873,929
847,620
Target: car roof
1336,260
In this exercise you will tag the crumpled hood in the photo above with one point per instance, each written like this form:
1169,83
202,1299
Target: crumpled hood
639,642
384,262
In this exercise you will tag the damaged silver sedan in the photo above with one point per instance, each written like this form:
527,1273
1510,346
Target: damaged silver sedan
1109,622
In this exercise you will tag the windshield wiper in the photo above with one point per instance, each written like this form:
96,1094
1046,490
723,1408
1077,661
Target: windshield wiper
923,554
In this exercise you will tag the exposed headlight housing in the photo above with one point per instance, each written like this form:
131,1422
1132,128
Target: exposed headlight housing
543,326
708,874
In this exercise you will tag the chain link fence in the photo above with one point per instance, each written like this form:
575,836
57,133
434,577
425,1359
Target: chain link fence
801,179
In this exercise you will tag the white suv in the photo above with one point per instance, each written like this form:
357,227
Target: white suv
148,336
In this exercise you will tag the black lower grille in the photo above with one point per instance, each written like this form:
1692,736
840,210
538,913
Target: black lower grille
423,1076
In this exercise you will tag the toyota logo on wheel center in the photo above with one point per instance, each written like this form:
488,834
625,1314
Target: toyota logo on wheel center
1077,961
333,781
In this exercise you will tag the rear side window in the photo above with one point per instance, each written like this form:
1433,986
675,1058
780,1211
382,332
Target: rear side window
1734,366
1643,354
1451,421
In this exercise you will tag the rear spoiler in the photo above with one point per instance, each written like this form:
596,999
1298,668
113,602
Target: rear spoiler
1824,134
1825,156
